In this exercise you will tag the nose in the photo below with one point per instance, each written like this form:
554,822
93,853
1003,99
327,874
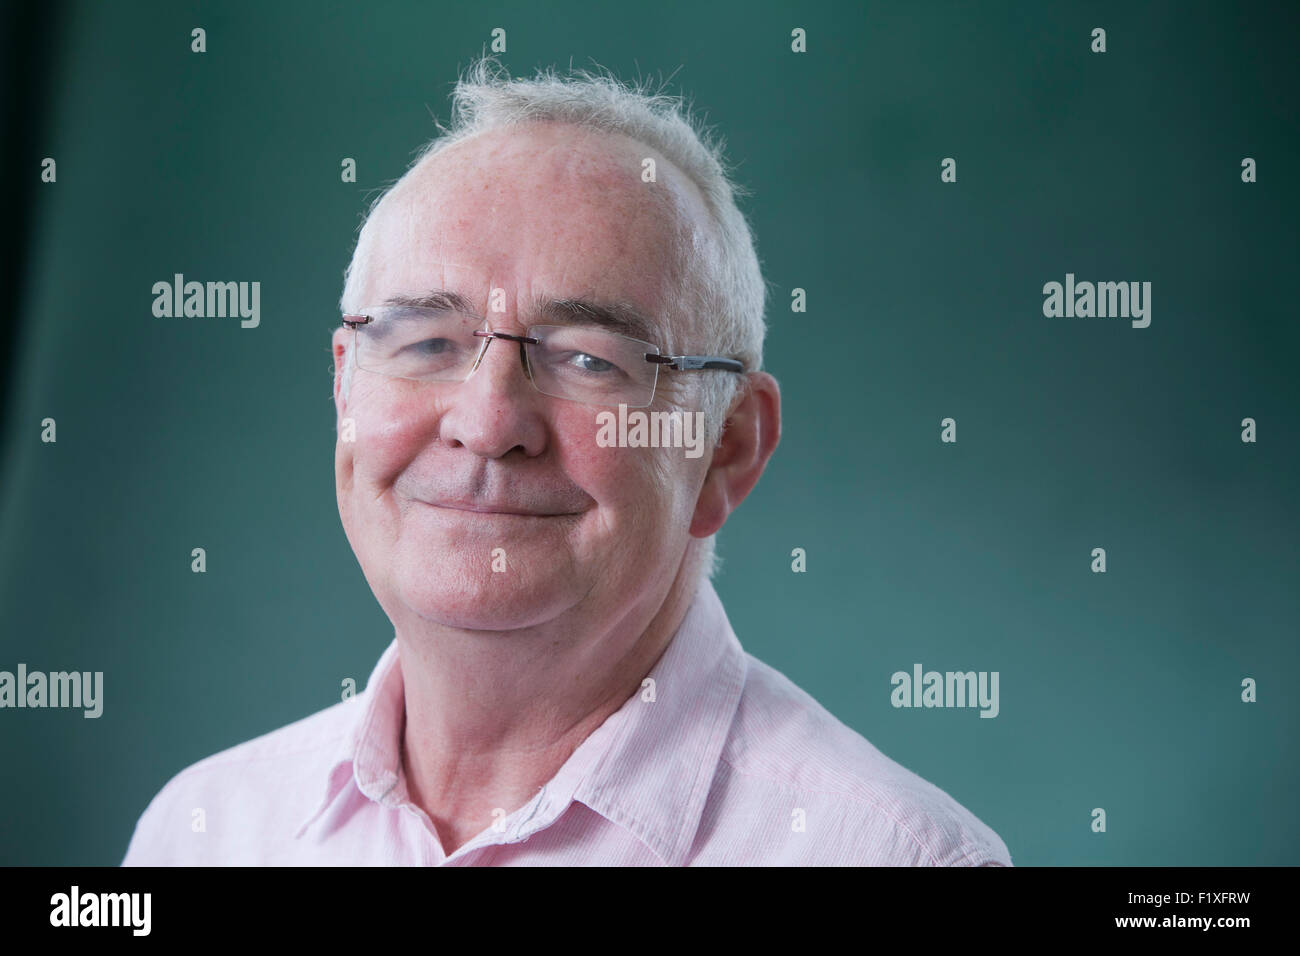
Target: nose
495,410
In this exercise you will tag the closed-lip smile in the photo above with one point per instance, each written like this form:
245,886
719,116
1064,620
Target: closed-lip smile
480,508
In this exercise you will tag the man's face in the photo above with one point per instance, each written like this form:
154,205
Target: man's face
551,211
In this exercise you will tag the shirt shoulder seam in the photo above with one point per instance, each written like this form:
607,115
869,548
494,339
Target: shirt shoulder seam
964,844
221,759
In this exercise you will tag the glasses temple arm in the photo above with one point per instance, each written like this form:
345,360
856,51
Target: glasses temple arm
689,363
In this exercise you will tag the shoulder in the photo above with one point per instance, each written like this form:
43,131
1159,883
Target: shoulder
243,797
828,796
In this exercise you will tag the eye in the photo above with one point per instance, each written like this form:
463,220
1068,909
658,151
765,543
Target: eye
431,346
590,363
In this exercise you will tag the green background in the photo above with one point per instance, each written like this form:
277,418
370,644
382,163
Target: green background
1118,690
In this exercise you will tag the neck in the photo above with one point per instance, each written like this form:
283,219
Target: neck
491,717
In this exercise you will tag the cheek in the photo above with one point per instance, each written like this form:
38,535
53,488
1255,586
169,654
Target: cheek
619,480
388,427
597,471
641,493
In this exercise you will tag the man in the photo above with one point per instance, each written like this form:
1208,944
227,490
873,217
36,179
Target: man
564,686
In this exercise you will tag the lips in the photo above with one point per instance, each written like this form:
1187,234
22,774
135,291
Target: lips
479,507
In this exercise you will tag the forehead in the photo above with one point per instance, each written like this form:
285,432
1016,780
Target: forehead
543,209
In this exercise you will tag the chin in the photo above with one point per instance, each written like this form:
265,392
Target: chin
477,598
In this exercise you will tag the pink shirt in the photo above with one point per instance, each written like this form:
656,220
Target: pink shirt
730,764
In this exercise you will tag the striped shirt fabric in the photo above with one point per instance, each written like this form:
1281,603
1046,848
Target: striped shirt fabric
721,761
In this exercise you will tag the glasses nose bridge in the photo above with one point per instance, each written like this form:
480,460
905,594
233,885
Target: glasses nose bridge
523,341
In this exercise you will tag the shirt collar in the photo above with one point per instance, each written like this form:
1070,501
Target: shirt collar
655,775
648,768
369,752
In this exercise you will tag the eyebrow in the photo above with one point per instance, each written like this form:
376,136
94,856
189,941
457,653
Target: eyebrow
435,299
615,316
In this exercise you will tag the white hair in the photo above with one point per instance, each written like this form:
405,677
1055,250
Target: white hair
720,276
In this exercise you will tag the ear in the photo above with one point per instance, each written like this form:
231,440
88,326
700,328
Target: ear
339,345
749,437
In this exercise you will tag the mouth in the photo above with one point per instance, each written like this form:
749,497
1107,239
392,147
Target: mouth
507,511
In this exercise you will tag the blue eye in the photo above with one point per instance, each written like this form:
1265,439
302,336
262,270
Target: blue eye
590,363
432,346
